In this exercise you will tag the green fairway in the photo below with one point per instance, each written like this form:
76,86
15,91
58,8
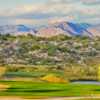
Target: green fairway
31,89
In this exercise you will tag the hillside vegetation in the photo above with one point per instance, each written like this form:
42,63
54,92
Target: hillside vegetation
70,56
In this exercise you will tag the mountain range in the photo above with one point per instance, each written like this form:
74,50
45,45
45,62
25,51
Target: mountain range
67,28
16,30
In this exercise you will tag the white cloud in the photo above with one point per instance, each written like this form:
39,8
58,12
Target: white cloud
53,6
69,9
91,1
29,21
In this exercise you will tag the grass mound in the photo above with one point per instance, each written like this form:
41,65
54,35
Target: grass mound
53,79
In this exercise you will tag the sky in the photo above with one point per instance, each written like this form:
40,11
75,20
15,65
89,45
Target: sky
42,12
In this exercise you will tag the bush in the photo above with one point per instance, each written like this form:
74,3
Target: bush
99,73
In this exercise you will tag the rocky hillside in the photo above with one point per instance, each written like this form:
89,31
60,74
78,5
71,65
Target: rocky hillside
58,50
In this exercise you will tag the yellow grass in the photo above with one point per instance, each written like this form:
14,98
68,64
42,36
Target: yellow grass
2,70
53,79
4,87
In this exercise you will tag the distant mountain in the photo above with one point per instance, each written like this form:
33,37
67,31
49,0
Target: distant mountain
16,30
74,28
50,31
67,28
95,30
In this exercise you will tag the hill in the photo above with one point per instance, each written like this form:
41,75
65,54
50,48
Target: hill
60,49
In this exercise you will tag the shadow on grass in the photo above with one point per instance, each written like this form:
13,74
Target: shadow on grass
98,90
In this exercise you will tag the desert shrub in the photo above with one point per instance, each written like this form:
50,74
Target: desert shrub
78,72
53,79
42,68
98,73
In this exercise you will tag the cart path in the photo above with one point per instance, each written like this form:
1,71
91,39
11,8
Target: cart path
72,98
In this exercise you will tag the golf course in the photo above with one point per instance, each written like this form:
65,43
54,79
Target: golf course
33,67
32,90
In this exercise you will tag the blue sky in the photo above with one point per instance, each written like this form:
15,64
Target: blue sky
40,12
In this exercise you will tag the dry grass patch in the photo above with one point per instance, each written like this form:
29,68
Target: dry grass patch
2,71
53,79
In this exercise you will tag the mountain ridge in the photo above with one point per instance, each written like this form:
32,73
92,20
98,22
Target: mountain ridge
67,28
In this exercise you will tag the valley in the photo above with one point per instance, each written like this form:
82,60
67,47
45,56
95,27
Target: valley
33,67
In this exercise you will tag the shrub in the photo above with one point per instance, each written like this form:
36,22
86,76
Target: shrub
99,73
